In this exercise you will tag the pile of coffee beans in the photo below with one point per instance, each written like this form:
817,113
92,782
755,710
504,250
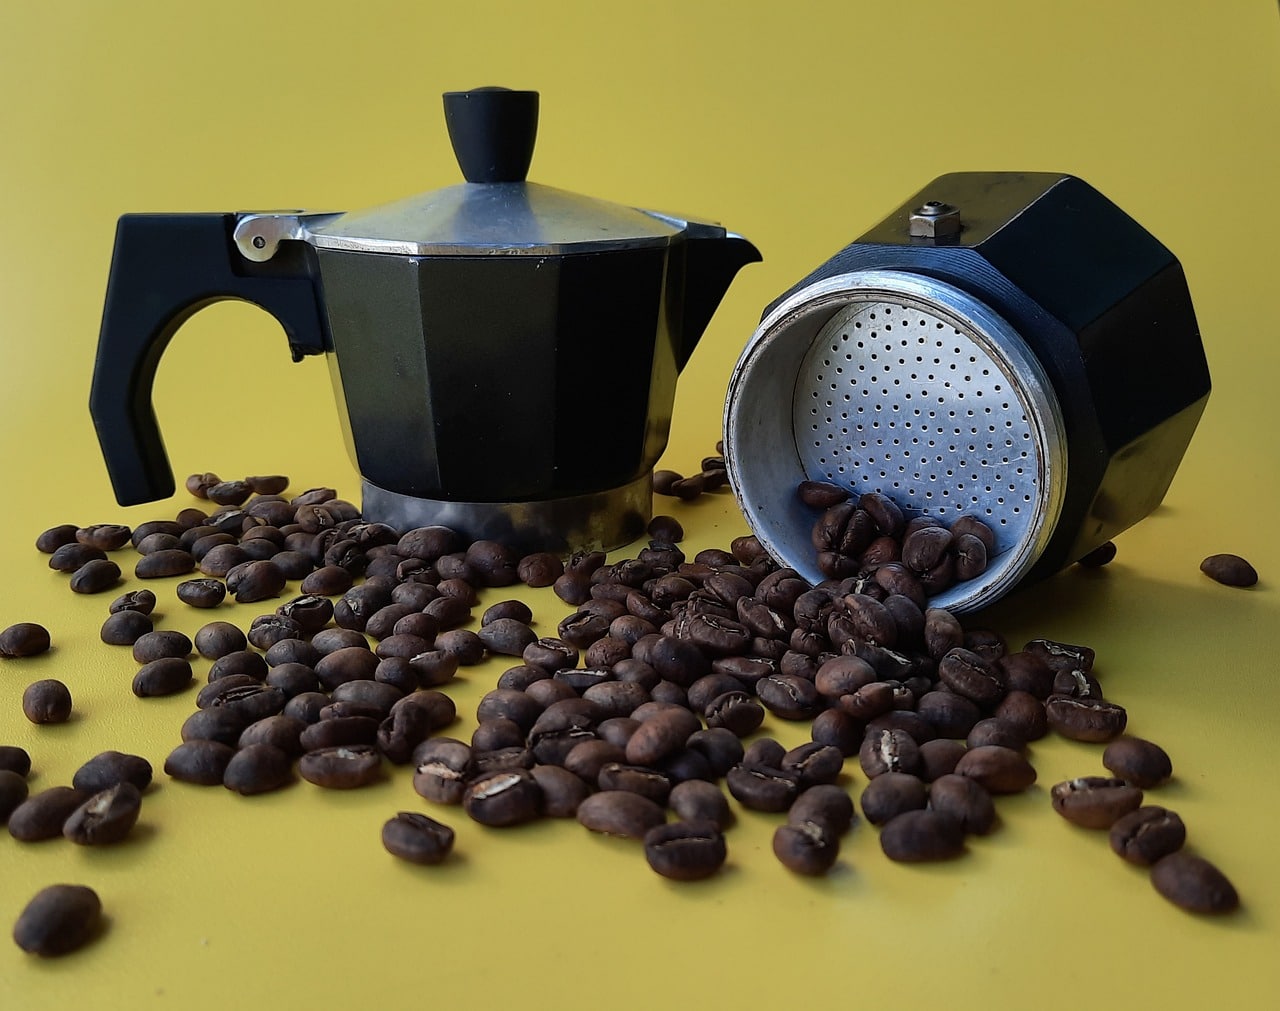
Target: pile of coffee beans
637,707
99,808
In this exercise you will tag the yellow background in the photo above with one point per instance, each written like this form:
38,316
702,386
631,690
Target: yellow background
798,124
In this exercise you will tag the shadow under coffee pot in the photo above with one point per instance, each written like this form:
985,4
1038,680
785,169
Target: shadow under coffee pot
465,330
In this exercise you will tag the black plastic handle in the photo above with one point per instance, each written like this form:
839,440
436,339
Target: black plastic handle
493,131
164,269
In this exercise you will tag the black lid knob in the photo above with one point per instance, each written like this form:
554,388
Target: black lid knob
492,131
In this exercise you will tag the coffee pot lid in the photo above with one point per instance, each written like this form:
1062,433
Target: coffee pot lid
495,212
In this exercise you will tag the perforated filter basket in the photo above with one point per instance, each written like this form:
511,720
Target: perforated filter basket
984,374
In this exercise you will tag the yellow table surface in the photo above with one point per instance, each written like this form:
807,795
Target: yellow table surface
799,125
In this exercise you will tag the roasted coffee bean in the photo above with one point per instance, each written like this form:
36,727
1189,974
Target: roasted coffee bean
124,628
1102,555
440,709
352,663
1027,672
814,764
95,576
280,731
939,758
807,847
838,729
254,701
539,569
108,768
997,769
1194,884
443,768
1062,656
843,675
504,798
293,678
968,674
634,779
789,697
104,536
165,676
889,751
550,654
995,731
162,643
890,794
1094,801
872,621
218,639
13,791
1076,684
951,714
735,711
142,601
220,560
215,724
347,767
462,643
616,698
762,787
339,731
821,494
1229,570
328,581
921,836
417,623
15,759
71,557
620,813
241,662
402,731
1025,714
971,556
697,800
586,758
55,537
42,814
59,920
942,632
1091,720
506,636
252,581
689,850
330,640
106,817
373,695
965,800
562,791
306,706
661,736
1147,834
259,768
417,838
925,549
764,751
294,651
666,529
47,701
1137,762
164,563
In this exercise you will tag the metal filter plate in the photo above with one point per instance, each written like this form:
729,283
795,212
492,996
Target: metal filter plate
891,382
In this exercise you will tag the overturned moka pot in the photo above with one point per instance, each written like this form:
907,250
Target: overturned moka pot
1011,346
463,329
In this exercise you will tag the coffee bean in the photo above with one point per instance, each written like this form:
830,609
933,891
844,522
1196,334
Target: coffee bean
1147,834
15,759
688,850
761,787
124,628
697,800
251,700
164,563
995,731
1024,713
1091,720
23,639
964,799
997,769
1094,801
142,601
95,576
104,536
165,676
939,758
280,731
13,791
813,763
259,768
106,817
634,779
1026,672
952,714
888,751
1229,570
720,747
789,697
417,838
108,768
807,847
42,814
661,736
539,569
1194,884
202,762
58,920
242,662
158,644
219,638
71,557
216,723
921,836
504,798
444,766
1137,762
507,636
47,701
328,581
252,581
562,791
968,674
890,794
341,768
620,813
55,537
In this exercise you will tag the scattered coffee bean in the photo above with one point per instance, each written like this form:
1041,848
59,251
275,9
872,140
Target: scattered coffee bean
1080,719
890,794
202,762
1094,801
55,537
1147,834
1194,884
1229,570
504,798
109,768
47,701
920,836
95,575
997,769
24,639
124,628
620,813
204,593
417,838
165,676
106,817
162,643
341,768
104,536
807,847
15,759
59,920
1138,762
688,850
164,563
142,601
13,791
965,800
259,768
42,814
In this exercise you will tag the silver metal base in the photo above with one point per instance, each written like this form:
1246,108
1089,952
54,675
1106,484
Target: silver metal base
601,520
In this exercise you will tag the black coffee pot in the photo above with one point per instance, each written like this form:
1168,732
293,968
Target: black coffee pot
504,354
